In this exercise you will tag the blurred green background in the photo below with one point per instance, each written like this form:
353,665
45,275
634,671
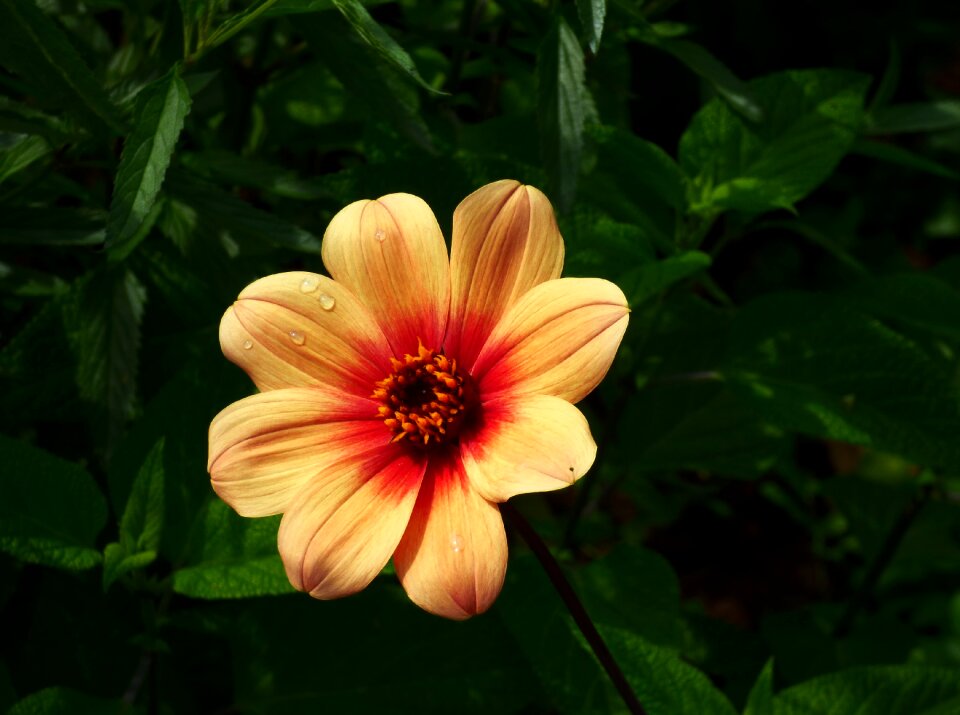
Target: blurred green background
772,526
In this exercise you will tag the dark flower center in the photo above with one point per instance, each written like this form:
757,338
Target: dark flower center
425,399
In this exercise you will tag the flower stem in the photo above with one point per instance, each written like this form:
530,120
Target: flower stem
575,607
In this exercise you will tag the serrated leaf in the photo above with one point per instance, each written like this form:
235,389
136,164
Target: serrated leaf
562,101
18,151
649,279
159,115
50,510
812,119
236,23
592,14
57,701
663,683
142,522
34,47
103,326
880,690
232,557
379,41
917,117
814,365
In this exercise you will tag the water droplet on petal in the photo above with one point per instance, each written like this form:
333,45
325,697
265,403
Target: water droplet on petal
327,302
296,337
381,236
308,285
456,543
247,344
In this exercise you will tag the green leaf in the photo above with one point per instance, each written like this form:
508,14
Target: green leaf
817,366
562,101
812,119
50,509
236,23
592,14
18,151
888,690
117,561
642,166
902,157
386,93
35,48
649,279
158,119
223,215
760,701
232,557
918,300
142,521
103,326
663,683
738,94
271,178
919,117
58,701
376,37
53,226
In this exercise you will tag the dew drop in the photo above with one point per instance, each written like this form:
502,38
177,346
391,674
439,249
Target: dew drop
247,344
296,337
381,236
308,285
327,302
456,543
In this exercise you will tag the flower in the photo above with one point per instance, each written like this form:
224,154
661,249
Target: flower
403,399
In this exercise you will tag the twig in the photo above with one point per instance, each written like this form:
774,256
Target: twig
575,607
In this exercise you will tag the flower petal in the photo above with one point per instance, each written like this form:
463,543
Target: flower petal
505,241
345,524
453,556
264,448
527,444
558,339
299,329
390,253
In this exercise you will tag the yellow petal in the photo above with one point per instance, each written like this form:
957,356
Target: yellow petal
453,556
390,253
558,339
264,448
343,526
527,444
299,329
505,241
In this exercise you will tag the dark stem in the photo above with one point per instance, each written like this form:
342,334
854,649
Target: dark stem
575,607
882,560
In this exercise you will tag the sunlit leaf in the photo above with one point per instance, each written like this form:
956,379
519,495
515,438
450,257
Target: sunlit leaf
592,14
158,119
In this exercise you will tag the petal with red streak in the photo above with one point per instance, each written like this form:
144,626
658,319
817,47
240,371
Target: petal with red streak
453,557
300,329
527,444
390,253
505,241
344,525
559,339
265,448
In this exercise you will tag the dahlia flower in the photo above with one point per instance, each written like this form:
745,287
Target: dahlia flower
404,398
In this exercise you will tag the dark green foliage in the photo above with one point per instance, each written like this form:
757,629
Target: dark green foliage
771,526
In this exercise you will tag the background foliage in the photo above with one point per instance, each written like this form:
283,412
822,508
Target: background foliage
773,524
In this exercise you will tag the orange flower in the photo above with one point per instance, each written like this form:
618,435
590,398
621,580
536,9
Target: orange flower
404,399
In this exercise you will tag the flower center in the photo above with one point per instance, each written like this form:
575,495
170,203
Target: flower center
424,399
